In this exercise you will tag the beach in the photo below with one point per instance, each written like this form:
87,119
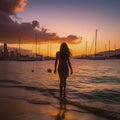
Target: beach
14,107
27,95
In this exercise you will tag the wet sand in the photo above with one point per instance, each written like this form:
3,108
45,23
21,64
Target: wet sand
14,105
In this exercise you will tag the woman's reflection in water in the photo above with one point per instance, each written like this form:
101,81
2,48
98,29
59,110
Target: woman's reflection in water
62,110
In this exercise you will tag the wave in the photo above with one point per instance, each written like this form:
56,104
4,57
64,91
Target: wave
105,95
10,81
30,88
100,112
105,79
97,79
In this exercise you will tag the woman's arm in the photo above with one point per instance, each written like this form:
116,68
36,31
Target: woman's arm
69,63
56,61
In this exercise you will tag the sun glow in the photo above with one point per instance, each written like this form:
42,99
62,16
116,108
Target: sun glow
47,49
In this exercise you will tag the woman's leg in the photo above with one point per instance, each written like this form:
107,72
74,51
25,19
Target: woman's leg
60,88
65,86
61,85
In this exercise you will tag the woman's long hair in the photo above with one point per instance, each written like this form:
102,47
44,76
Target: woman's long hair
64,51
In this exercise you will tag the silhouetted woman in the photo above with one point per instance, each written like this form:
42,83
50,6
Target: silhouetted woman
63,66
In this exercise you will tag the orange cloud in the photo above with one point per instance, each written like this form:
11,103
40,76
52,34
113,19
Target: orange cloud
20,6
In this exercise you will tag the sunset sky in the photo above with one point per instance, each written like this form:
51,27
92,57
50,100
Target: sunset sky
56,21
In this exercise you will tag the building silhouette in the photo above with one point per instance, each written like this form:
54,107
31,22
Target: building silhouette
5,53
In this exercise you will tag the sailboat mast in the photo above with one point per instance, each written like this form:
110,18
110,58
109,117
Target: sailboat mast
19,44
95,41
86,48
36,43
109,48
115,49
105,51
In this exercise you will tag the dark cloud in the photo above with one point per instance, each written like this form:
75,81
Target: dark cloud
11,30
12,6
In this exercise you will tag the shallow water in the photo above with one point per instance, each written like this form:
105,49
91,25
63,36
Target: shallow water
94,85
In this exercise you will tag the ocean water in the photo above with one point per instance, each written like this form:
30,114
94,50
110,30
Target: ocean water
94,85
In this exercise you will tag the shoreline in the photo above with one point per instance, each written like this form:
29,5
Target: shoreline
19,108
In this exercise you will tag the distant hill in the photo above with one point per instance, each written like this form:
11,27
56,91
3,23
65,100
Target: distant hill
106,54
111,52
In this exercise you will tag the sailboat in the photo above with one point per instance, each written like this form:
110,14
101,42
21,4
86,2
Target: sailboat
95,56
22,57
27,58
37,56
